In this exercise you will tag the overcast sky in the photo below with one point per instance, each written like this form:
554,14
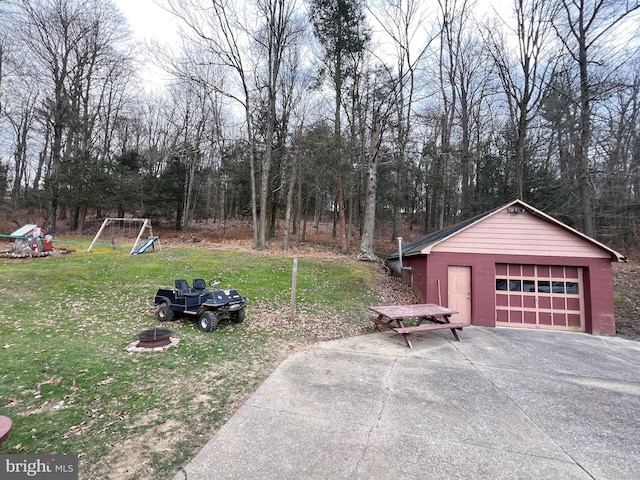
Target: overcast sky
147,20
149,23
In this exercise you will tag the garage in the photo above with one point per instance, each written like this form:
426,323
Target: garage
514,266
539,296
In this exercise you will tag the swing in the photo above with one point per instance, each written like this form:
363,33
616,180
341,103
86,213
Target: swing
125,226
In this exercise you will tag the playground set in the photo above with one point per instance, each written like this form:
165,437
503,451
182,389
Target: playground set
32,241
138,246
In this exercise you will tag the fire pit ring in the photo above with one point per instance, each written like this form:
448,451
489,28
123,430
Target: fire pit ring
154,337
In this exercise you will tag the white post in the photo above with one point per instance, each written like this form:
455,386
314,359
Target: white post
104,224
144,227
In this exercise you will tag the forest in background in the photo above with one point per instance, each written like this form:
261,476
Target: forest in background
284,112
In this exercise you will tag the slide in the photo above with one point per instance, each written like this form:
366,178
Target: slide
143,248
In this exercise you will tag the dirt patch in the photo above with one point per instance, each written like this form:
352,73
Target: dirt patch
131,459
626,282
22,255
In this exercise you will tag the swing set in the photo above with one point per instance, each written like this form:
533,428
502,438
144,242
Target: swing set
121,228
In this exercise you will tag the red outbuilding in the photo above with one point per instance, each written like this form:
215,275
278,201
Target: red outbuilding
514,266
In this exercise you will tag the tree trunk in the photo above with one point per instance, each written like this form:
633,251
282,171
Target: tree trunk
252,167
291,190
369,220
342,218
82,214
582,149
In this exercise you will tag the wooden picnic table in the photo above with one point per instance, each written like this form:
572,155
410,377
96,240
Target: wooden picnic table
392,317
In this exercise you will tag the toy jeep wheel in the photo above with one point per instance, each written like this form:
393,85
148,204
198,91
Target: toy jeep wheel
239,316
165,313
208,322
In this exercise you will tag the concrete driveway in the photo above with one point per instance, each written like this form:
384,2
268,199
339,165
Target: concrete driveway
501,404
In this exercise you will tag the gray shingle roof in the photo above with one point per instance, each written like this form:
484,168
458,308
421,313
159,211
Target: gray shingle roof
430,238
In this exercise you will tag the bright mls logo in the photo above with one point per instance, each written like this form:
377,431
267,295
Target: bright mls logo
50,467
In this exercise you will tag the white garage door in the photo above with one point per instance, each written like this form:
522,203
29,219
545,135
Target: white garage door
539,296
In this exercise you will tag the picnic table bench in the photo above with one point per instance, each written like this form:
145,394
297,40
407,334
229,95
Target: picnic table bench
392,317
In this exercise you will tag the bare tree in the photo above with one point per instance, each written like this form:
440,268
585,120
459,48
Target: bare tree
22,121
3,61
291,187
582,27
371,187
196,109
295,102
279,34
255,54
404,23
522,78
18,98
6,44
616,143
215,37
454,18
71,40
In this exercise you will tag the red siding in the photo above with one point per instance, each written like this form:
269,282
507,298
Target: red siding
428,276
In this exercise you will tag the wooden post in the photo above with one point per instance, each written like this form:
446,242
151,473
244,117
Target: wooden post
294,280
104,224
144,227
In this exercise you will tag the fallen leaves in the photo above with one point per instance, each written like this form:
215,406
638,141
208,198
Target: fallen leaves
106,381
626,278
79,429
52,381
12,402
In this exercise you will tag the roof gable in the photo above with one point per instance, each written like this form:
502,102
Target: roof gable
516,228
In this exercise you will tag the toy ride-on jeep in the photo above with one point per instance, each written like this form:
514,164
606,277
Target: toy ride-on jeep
207,306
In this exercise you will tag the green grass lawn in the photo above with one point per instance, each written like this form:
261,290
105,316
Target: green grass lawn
70,387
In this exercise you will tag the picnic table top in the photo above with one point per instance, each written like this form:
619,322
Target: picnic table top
416,310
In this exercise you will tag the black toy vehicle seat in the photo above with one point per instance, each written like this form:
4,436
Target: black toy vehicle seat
199,285
183,289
